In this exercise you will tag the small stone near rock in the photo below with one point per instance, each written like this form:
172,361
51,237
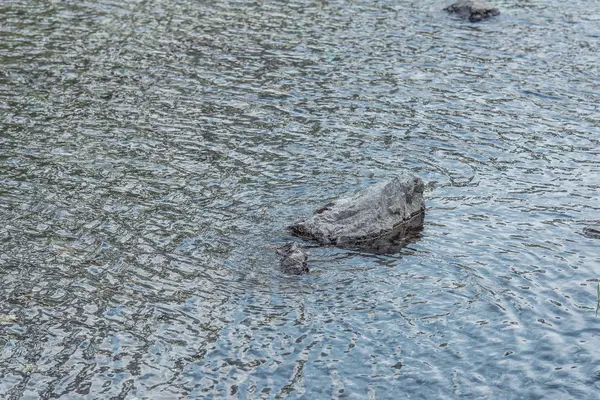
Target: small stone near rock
293,259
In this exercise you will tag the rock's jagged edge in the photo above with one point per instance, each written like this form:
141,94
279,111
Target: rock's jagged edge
404,229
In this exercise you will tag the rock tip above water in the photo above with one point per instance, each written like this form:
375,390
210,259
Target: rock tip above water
474,10
378,212
592,232
292,259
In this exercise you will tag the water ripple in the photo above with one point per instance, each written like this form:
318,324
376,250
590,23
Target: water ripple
153,152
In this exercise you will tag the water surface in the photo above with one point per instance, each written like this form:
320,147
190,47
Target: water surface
152,153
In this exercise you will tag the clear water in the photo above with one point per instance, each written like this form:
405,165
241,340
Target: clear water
152,153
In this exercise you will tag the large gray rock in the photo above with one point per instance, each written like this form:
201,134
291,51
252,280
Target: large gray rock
474,10
371,218
292,259
592,231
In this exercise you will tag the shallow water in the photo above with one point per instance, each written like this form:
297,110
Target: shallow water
152,153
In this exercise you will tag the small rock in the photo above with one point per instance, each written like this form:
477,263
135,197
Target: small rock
592,232
474,10
7,319
293,259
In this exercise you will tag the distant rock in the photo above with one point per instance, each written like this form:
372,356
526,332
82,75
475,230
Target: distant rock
371,218
592,232
474,10
292,259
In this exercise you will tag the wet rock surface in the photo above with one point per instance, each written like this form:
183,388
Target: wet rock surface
292,259
372,218
474,10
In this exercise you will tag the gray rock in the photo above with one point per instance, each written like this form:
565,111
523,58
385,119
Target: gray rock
474,10
293,259
372,218
592,232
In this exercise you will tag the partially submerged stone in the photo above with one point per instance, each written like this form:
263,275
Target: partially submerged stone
6,319
592,232
292,259
372,218
474,10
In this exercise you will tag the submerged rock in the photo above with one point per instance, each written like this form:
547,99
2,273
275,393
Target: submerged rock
592,231
372,218
474,10
293,259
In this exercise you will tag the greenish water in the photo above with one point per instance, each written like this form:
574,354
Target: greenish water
152,153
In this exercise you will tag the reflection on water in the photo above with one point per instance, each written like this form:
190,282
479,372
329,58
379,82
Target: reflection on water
152,153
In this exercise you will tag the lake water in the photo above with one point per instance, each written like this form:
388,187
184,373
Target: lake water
153,152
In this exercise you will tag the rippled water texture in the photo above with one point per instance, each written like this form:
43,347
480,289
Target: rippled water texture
152,153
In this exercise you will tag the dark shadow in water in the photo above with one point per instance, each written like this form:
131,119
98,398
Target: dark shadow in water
391,242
